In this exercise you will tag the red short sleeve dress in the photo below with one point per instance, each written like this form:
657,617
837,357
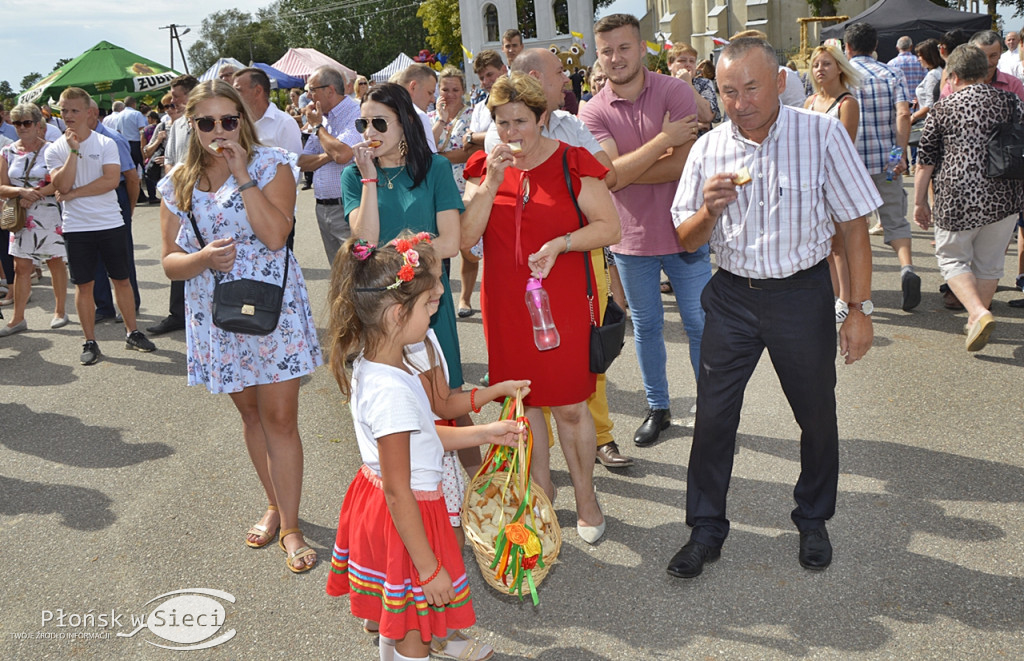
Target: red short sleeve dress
515,230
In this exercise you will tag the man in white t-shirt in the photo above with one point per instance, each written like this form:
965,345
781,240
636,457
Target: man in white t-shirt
86,170
274,127
421,83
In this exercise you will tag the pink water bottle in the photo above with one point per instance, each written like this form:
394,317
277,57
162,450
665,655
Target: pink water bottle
545,335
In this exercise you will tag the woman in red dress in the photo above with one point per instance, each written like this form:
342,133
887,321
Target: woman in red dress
518,200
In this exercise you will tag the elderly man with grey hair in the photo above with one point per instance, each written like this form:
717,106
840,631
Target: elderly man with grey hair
992,46
907,62
112,119
332,117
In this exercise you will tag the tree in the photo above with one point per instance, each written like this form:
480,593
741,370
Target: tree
364,35
6,94
444,31
30,80
234,33
61,62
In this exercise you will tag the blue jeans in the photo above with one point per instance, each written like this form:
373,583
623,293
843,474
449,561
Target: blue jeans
641,280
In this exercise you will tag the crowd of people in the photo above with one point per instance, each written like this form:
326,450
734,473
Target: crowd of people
651,176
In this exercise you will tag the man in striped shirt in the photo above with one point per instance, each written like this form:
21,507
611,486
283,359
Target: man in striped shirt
764,188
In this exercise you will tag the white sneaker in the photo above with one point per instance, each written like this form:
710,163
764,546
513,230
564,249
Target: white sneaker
842,310
877,230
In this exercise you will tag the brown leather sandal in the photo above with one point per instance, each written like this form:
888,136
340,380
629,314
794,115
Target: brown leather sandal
262,531
299,554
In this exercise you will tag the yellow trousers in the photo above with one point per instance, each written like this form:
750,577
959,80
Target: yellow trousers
598,401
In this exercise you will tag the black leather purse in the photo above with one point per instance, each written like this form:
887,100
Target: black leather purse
249,307
608,338
1006,149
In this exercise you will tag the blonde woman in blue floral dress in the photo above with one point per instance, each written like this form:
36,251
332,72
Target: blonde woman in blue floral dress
241,196
23,175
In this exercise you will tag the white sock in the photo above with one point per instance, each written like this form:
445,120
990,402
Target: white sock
399,657
387,649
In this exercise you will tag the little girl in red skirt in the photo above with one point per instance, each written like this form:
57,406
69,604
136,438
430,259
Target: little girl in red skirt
395,554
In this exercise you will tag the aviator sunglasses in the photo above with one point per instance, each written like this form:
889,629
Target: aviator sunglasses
380,125
206,124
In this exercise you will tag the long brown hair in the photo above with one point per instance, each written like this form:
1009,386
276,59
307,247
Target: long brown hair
359,296
198,158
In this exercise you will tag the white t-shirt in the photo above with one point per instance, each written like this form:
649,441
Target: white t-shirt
95,212
53,133
481,119
387,400
427,128
277,128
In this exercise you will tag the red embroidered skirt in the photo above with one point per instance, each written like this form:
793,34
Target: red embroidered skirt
371,564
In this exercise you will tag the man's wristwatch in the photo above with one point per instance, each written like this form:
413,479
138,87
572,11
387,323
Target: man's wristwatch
864,307
316,129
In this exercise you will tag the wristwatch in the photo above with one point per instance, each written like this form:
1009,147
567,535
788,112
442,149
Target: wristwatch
316,129
864,307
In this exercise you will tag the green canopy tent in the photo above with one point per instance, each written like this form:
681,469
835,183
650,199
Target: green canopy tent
106,72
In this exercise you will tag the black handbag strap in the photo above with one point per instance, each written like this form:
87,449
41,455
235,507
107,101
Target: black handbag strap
216,274
586,253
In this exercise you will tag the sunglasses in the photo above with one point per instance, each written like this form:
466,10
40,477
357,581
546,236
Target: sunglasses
206,124
23,123
380,125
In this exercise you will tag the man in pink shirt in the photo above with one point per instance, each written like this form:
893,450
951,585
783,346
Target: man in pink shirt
647,123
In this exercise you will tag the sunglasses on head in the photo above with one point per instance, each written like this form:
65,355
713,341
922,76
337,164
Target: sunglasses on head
206,124
380,125
23,123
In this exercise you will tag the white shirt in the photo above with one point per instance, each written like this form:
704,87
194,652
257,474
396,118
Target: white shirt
804,174
481,120
53,133
95,212
386,400
110,121
563,126
277,128
427,128
130,123
794,94
418,360
1009,62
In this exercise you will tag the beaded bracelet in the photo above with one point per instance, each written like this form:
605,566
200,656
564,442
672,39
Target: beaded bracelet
472,400
418,583
368,181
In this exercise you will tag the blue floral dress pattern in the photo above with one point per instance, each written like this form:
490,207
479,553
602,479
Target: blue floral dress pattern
229,362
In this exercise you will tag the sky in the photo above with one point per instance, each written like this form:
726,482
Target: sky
35,34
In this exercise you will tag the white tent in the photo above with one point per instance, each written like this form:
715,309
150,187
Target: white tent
397,64
211,73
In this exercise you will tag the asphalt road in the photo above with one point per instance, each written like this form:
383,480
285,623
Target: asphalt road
119,485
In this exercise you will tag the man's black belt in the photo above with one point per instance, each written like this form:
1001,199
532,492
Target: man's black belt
799,280
329,203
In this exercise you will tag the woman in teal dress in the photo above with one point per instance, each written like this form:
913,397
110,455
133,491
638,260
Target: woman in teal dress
397,184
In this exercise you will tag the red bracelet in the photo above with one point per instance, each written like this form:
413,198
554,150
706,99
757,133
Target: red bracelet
472,400
418,583
368,181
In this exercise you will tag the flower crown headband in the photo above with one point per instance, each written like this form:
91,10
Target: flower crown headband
363,250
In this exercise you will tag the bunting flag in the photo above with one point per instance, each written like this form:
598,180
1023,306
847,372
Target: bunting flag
469,56
577,35
718,41
652,48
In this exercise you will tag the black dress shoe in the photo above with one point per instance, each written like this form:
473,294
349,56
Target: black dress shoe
657,420
608,455
167,325
689,561
815,549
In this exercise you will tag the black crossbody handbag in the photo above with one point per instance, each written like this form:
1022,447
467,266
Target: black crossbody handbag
249,307
608,338
1006,149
